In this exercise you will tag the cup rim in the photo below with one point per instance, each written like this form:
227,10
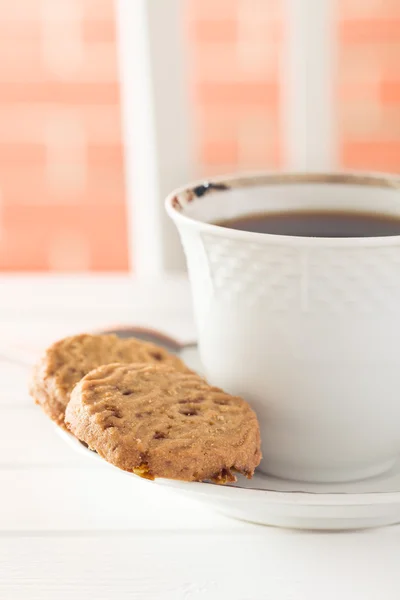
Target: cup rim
179,198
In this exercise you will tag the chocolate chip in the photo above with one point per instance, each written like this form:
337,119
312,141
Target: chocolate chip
115,412
197,400
189,412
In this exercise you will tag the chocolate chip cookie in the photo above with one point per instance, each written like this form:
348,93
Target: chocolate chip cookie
68,360
156,421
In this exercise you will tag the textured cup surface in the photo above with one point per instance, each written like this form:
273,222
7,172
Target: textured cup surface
306,329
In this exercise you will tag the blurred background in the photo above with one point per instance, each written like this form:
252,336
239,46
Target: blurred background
63,199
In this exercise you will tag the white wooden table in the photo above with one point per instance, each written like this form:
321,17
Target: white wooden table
70,529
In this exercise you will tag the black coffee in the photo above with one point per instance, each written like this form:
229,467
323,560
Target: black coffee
330,224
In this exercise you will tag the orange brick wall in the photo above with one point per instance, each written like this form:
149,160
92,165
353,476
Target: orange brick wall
369,84
234,48
62,198
62,195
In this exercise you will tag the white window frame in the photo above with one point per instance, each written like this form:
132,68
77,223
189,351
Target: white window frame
308,72
156,126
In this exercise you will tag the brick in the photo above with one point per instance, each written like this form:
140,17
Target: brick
20,61
233,113
92,63
22,251
16,154
30,231
24,62
359,64
213,152
205,171
389,126
20,11
19,30
360,91
259,61
102,123
26,123
216,123
205,31
100,9
256,154
210,9
109,154
261,130
95,30
378,156
370,30
60,92
260,10
105,184
234,135
228,63
366,62
256,28
213,61
22,184
99,64
390,92
249,94
360,121
361,9
69,250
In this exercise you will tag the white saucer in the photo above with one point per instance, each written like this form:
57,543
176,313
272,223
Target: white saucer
269,501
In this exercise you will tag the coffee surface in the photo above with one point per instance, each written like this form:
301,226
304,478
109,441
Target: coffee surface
329,224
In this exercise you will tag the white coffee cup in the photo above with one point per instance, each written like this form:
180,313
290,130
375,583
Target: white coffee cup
306,329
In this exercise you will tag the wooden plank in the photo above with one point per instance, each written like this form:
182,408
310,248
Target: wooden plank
28,294
14,385
30,439
88,499
249,564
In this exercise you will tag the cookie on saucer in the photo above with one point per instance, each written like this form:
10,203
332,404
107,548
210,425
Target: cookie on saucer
157,421
68,360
